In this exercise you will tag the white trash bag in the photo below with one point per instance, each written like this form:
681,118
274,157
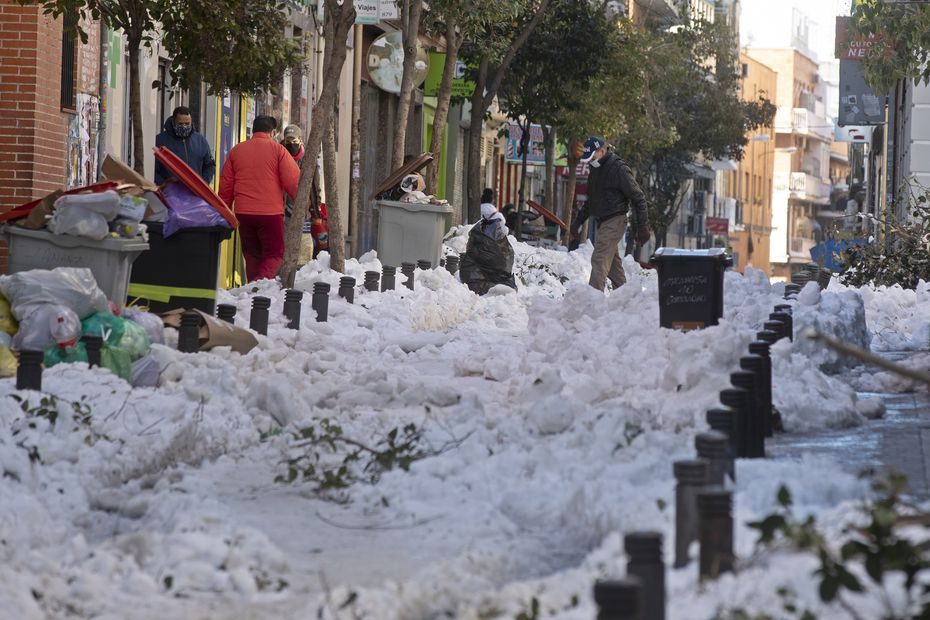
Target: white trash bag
72,287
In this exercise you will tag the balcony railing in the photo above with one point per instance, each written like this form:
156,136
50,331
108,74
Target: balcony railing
807,187
806,123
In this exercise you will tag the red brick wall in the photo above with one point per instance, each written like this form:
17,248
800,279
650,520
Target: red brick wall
33,129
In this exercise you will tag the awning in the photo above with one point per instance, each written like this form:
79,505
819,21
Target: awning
724,164
702,171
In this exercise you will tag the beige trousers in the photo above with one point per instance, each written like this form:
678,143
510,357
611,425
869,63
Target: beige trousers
606,261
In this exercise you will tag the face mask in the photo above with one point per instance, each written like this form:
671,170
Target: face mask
293,148
183,131
594,163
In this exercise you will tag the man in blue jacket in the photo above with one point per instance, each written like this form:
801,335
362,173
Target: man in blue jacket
184,141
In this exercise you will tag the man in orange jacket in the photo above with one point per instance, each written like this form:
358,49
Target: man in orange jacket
254,179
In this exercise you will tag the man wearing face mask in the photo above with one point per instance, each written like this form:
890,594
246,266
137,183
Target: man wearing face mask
611,191
184,141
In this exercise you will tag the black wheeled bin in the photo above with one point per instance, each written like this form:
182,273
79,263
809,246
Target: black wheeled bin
180,271
690,286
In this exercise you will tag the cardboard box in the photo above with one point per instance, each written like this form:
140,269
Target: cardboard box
115,170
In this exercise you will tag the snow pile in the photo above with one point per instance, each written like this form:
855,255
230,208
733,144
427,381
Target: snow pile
552,416
898,318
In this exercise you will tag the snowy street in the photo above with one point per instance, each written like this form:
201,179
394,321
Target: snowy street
546,421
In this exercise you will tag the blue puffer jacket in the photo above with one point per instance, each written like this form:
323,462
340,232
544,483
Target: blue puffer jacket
194,150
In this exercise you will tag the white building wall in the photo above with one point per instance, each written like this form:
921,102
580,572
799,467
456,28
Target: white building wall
920,136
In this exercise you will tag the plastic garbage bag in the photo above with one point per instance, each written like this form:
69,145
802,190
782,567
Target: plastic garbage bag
186,210
106,325
145,372
152,323
134,340
8,323
79,222
132,207
117,361
8,363
486,262
105,203
65,355
45,326
72,287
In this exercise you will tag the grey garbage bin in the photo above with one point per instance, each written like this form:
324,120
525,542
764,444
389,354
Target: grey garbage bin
110,259
690,286
408,232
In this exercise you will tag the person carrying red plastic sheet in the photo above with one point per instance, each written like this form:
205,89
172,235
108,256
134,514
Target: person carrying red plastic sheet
255,177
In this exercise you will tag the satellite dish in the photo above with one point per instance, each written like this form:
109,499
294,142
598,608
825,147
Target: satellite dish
386,62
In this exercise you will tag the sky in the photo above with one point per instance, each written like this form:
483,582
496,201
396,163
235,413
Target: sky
765,23
551,416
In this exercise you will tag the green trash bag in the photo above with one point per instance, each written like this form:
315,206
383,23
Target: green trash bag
117,360
135,340
65,355
105,324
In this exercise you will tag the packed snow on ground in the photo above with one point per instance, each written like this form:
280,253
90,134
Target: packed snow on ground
552,415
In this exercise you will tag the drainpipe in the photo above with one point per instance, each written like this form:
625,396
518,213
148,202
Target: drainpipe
104,66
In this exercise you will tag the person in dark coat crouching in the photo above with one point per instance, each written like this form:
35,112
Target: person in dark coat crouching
180,137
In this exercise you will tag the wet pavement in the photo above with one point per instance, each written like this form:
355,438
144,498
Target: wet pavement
899,441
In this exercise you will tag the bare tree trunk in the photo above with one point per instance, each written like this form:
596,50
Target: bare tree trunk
482,100
339,20
355,179
134,43
337,246
443,97
473,162
410,16
569,205
549,145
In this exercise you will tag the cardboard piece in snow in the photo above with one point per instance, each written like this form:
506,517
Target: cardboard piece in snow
214,332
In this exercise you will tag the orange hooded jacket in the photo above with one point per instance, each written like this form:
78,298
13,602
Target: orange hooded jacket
255,174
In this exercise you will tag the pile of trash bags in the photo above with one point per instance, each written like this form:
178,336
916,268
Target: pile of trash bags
50,310
488,258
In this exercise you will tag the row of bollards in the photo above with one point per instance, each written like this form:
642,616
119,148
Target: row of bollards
703,501
812,272
29,369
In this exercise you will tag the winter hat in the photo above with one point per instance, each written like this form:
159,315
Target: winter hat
487,210
292,134
591,145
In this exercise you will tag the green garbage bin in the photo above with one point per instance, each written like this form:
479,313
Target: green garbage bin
690,286
181,271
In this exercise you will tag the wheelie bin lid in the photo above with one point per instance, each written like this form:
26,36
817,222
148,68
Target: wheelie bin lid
683,254
194,183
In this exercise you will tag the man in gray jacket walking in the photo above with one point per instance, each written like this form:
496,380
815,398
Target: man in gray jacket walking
611,191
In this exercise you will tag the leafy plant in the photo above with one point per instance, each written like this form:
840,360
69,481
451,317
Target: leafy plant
902,258
333,462
878,549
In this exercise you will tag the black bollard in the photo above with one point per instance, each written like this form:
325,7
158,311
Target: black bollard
690,476
776,326
424,264
92,344
645,551
713,447
258,319
767,336
189,333
320,301
723,420
388,278
618,599
226,312
716,532
371,281
408,270
755,433
452,263
735,399
292,299
788,321
761,348
792,290
824,278
29,371
784,308
801,278
347,288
